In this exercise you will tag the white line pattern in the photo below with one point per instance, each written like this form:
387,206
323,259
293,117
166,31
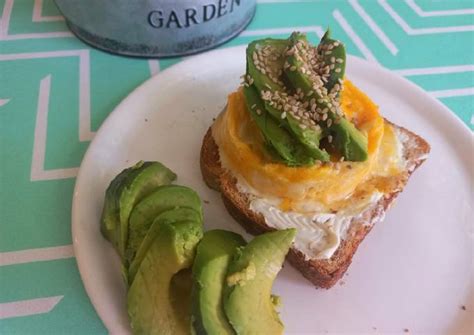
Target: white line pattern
154,66
85,133
435,70
3,102
39,146
36,255
458,92
450,12
38,16
354,37
28,307
374,27
5,22
420,31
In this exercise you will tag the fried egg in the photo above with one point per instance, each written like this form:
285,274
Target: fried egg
319,200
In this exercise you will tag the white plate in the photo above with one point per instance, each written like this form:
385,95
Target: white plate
413,271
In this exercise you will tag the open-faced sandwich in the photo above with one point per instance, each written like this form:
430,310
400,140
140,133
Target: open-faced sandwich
300,146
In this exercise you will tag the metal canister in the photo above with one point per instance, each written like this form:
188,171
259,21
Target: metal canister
156,28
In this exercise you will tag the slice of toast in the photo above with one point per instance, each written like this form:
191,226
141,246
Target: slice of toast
321,272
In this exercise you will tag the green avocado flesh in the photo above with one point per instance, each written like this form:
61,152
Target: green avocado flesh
181,281
161,199
289,81
307,138
129,187
280,139
213,255
248,302
175,215
349,141
151,305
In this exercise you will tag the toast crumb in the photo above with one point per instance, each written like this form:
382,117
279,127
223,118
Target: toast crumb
463,307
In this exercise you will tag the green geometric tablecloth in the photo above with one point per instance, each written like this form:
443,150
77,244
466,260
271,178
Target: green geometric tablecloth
55,91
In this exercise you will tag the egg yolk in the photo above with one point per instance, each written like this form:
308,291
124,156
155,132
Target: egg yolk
242,150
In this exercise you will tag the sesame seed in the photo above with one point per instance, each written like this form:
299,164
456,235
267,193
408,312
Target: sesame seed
340,60
259,112
292,68
253,106
283,115
303,126
338,70
329,123
330,139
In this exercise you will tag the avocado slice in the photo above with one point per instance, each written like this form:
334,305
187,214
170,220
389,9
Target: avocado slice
152,307
349,141
338,52
161,199
174,215
248,302
213,255
125,190
288,149
273,82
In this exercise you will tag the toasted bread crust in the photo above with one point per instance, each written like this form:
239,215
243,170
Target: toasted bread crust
322,273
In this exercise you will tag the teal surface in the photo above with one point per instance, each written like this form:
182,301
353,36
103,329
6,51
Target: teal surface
55,92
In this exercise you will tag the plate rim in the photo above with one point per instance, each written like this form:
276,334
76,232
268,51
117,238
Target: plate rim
441,111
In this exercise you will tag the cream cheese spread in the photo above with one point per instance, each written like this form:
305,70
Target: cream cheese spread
320,234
